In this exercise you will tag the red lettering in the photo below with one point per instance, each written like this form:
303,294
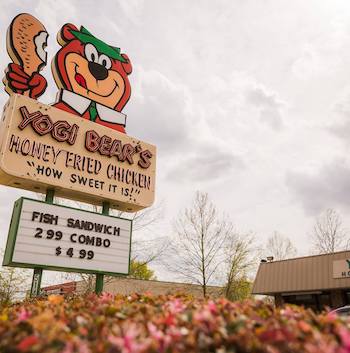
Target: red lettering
27,117
105,145
61,130
42,125
145,157
117,149
128,152
92,141
73,134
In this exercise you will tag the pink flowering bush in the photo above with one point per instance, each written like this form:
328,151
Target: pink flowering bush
146,323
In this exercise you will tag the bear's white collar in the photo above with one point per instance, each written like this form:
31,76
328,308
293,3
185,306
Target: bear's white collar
80,104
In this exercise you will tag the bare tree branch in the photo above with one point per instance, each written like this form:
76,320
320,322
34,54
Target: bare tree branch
280,247
196,251
328,233
13,281
239,260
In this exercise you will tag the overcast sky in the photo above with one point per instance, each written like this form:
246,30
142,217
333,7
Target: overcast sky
246,100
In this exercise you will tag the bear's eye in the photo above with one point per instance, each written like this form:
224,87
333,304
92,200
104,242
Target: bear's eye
91,53
105,61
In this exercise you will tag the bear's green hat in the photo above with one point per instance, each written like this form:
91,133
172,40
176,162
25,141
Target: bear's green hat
86,37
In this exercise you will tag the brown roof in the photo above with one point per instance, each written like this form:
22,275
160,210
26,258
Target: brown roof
308,273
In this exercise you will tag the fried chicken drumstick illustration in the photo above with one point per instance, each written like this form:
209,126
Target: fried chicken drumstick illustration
26,42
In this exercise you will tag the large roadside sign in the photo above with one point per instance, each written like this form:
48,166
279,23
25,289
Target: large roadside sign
67,239
44,147
76,148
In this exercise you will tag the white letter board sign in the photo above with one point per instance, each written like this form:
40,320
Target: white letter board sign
66,239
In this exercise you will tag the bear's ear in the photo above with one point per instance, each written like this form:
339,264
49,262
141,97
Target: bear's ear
127,66
65,35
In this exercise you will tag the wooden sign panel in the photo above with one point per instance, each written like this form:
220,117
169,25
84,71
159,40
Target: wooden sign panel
63,238
43,147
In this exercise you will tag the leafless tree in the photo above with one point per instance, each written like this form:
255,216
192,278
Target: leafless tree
280,247
328,233
13,283
152,249
88,281
240,258
200,234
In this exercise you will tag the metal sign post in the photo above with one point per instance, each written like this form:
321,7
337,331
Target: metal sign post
38,272
36,282
100,276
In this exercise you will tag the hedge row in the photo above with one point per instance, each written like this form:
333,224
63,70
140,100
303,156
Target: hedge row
146,323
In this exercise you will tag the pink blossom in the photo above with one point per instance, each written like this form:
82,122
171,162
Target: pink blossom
106,297
331,316
83,347
175,306
211,306
162,339
289,312
345,338
127,343
205,320
23,315
68,348
203,315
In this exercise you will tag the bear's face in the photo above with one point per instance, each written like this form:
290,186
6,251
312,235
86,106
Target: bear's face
95,76
90,68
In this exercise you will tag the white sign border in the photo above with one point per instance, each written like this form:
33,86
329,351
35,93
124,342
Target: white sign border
12,235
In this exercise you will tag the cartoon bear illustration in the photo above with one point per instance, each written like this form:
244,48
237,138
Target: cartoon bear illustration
92,77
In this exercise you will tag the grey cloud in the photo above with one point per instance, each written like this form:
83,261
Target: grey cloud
269,105
341,128
52,12
261,98
206,165
272,117
162,108
328,188
343,106
170,115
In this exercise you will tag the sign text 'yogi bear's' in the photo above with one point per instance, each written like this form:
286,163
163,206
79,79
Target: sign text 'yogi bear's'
62,238
44,147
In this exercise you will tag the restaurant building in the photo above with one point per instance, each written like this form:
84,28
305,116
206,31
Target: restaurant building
316,282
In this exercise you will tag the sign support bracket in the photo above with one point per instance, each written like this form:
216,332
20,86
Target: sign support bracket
38,272
100,276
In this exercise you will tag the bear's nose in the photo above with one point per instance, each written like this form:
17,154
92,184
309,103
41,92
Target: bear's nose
98,71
